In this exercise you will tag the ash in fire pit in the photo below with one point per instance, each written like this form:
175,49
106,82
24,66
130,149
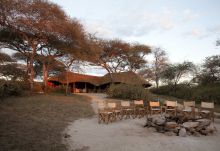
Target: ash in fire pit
180,125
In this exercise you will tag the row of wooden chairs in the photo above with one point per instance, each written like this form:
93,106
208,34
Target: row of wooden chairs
189,110
112,111
109,112
169,108
206,110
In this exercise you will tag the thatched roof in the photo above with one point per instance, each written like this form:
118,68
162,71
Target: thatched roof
122,77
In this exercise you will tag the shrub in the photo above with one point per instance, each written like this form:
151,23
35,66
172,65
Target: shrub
187,92
207,93
125,91
10,88
181,91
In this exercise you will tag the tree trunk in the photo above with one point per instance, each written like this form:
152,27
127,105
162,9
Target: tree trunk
32,74
45,76
67,83
175,86
111,78
157,82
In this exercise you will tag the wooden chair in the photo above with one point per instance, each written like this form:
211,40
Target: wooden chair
112,107
103,114
207,110
155,107
139,110
171,107
189,109
126,109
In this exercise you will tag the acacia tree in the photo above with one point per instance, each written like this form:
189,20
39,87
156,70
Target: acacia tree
26,26
117,56
210,72
174,72
157,67
135,57
109,54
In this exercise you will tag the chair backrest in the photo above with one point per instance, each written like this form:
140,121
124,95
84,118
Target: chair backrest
101,105
189,103
171,103
112,105
154,104
138,102
125,103
208,105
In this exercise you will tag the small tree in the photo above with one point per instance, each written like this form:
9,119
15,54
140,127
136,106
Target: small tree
210,72
157,67
174,72
69,60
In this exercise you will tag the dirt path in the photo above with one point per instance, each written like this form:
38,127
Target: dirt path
130,135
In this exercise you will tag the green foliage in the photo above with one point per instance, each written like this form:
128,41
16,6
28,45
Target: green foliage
12,72
208,92
182,91
125,91
187,92
174,72
210,72
9,88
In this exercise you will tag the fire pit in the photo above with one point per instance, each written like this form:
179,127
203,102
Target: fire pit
180,125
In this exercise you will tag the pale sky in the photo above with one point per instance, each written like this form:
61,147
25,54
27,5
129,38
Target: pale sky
186,29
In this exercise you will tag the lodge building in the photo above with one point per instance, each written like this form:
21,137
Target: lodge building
79,83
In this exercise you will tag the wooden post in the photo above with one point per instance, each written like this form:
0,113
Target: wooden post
74,87
85,87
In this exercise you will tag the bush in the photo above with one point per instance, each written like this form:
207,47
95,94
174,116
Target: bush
207,93
125,91
187,92
181,91
9,88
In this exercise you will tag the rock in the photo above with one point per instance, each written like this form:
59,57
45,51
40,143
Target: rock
182,132
171,125
204,122
211,128
190,125
159,120
204,132
192,130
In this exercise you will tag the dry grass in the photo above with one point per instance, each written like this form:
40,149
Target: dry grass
36,123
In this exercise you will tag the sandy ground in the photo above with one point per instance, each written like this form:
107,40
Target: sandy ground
130,135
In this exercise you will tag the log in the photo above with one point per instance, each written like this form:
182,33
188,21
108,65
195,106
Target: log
204,122
190,125
171,125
